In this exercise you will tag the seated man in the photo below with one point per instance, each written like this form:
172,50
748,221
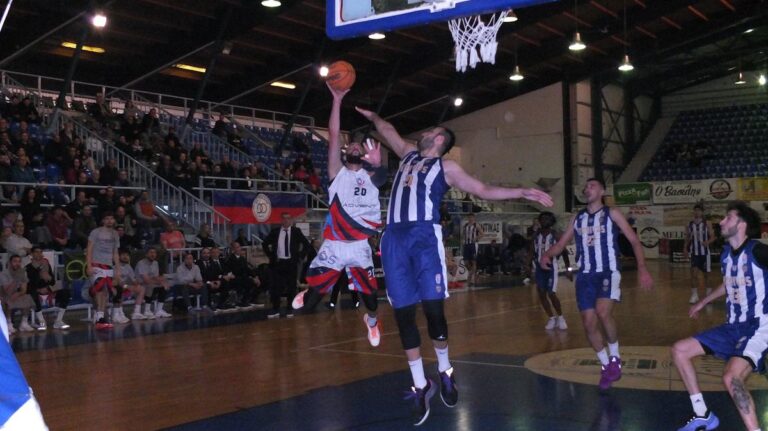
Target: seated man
127,286
42,288
241,277
148,272
211,271
188,277
14,294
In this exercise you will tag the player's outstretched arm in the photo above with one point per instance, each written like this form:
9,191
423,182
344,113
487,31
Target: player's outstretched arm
456,177
559,247
695,308
334,133
388,132
646,281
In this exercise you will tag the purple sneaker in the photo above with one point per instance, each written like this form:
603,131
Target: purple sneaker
614,368
449,393
420,398
605,379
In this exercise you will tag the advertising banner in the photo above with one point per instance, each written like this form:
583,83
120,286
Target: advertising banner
673,192
491,231
251,207
753,189
632,193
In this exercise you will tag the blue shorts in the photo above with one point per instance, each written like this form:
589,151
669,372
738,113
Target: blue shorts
413,257
746,340
597,285
701,262
546,280
469,252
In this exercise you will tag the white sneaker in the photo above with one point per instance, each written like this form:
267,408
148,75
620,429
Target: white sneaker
527,281
60,324
149,315
119,317
551,323
137,315
25,327
162,314
374,332
694,298
41,326
561,323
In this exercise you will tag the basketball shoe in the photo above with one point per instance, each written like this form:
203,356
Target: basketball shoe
699,423
449,393
420,398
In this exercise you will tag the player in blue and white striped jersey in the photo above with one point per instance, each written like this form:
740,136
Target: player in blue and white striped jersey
698,236
596,230
546,279
743,340
412,248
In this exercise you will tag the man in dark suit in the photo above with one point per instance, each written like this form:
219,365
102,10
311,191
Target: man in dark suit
285,246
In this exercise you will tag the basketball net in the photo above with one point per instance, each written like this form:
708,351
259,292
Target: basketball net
475,39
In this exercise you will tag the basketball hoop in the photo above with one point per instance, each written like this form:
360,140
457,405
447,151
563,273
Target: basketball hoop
475,39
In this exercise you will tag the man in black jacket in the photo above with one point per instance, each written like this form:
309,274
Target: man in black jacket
241,277
285,246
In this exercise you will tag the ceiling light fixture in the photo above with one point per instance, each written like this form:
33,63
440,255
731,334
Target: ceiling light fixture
749,30
577,44
516,75
323,71
189,67
458,101
740,80
282,84
271,3
73,45
626,65
511,16
762,79
377,36
99,20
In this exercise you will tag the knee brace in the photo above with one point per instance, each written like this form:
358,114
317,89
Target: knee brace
436,324
406,325
370,300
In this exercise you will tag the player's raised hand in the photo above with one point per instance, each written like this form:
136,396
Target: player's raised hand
539,196
337,94
372,152
365,113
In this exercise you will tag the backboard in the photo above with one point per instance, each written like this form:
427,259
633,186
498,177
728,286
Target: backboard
350,18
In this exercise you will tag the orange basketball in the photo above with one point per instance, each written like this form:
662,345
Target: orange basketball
341,75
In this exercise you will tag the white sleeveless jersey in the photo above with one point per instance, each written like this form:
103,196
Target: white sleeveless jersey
355,211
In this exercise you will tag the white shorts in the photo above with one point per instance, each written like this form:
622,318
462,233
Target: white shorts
342,254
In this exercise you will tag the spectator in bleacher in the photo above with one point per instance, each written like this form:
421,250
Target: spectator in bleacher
53,151
82,226
107,201
58,222
5,176
14,294
56,194
145,210
171,135
42,284
172,238
165,169
67,135
21,172
73,169
128,286
150,124
203,238
75,207
100,110
27,111
173,150
188,278
4,126
220,127
29,207
314,181
242,277
12,109
301,175
122,218
108,173
179,175
10,216
242,239
130,111
235,139
124,181
17,243
227,168
84,180
148,271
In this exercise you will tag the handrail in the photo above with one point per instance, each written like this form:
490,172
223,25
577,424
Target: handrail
168,198
71,187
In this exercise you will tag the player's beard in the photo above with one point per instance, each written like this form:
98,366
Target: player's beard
425,144
727,233
354,159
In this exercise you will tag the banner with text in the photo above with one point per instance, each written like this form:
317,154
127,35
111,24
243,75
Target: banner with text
674,192
632,193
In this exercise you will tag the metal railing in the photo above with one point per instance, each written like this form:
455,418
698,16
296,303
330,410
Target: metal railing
169,199
294,187
71,187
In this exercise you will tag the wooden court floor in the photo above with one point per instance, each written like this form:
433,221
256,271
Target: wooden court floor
155,375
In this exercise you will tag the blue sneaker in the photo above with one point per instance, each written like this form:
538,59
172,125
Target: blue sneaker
421,399
449,393
699,423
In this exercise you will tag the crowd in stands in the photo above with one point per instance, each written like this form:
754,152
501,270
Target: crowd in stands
688,154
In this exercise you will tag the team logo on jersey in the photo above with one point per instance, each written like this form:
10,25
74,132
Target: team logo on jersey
360,181
439,282
606,284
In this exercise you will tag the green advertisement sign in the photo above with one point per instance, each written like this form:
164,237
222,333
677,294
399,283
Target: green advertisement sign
632,193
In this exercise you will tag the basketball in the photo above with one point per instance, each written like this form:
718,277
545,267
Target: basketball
341,75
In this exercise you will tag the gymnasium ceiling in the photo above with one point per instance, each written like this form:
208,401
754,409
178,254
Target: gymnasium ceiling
673,44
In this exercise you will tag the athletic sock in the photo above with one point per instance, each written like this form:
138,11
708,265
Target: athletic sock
699,406
613,348
417,372
443,364
603,357
372,320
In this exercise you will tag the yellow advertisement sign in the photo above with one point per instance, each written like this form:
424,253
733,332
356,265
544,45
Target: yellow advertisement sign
753,189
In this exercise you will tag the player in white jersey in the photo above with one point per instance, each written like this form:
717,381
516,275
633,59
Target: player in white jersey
353,217
743,340
413,253
698,236
597,281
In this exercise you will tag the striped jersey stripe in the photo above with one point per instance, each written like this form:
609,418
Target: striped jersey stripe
596,239
744,285
417,190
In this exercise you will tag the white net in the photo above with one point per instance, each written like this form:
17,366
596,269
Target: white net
475,39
